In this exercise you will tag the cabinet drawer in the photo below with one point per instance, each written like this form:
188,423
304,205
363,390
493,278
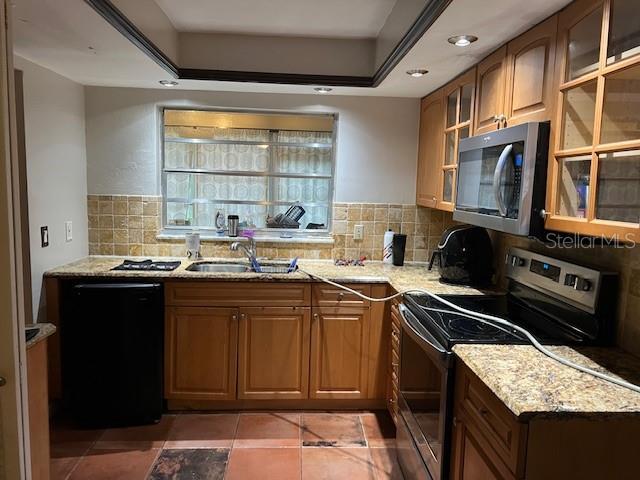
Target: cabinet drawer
395,365
491,417
395,316
237,294
395,338
325,295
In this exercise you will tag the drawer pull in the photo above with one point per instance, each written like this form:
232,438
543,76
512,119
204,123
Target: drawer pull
340,296
483,411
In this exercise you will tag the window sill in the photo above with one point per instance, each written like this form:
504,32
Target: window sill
324,239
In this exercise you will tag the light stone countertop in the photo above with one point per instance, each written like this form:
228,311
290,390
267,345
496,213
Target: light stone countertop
526,381
45,330
409,276
531,384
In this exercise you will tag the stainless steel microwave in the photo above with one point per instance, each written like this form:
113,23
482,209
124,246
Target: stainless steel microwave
502,179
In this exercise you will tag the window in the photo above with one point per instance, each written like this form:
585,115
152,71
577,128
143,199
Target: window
254,165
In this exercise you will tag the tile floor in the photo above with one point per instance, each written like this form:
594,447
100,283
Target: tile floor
231,446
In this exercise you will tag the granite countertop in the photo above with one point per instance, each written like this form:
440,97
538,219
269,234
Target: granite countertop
408,277
531,384
45,330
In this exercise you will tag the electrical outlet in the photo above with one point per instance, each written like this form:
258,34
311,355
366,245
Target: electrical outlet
44,236
68,230
358,232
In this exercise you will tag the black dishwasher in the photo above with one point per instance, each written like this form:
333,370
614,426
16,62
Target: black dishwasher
112,353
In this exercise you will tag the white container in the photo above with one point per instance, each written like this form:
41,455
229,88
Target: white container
387,246
192,242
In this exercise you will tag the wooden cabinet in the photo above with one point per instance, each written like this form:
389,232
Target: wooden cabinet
430,149
515,83
201,353
471,460
490,92
458,112
593,183
394,361
489,442
530,66
339,346
273,360
37,379
219,345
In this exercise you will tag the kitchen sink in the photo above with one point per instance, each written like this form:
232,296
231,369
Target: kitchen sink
218,267
215,267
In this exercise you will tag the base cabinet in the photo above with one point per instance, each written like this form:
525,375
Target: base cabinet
273,359
472,460
201,353
339,349
489,442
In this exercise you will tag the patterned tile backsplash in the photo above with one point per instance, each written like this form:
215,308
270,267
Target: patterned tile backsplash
129,225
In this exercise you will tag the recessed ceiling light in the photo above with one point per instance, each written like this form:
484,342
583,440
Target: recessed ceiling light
417,72
323,89
462,40
168,83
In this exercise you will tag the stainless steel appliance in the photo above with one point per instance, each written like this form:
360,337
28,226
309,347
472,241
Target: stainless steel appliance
558,302
502,179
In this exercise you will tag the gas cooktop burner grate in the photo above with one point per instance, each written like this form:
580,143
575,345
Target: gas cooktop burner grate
147,265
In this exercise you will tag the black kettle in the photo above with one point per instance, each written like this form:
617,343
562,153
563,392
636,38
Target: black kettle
465,256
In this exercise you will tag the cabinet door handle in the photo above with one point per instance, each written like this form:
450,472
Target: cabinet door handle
3,381
234,317
340,296
316,316
242,316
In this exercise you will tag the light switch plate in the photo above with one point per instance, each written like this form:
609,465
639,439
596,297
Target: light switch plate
68,230
358,232
44,236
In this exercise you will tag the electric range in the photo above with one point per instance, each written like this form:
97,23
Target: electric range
559,303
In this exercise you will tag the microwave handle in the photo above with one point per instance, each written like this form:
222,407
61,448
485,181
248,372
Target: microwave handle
497,175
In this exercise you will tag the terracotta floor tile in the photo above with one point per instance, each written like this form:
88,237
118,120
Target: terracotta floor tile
385,464
191,464
61,467
202,431
142,437
71,439
264,464
115,464
332,430
336,463
379,429
268,430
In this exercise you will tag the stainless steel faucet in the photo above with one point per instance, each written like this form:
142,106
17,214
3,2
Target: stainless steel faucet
251,251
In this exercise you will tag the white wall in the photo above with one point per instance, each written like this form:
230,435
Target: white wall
376,153
56,170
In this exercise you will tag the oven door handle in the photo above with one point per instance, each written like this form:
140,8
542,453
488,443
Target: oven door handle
410,322
497,176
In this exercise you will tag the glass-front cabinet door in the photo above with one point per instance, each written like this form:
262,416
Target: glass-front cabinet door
459,99
595,182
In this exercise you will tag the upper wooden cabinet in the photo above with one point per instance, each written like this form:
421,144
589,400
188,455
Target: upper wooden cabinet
530,65
429,149
458,100
515,83
490,92
273,357
594,180
200,353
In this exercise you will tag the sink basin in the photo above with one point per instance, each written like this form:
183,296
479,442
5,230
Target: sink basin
218,267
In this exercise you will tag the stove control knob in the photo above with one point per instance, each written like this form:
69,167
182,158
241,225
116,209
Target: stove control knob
517,261
578,283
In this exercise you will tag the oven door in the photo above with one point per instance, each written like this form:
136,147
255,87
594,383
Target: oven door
426,387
